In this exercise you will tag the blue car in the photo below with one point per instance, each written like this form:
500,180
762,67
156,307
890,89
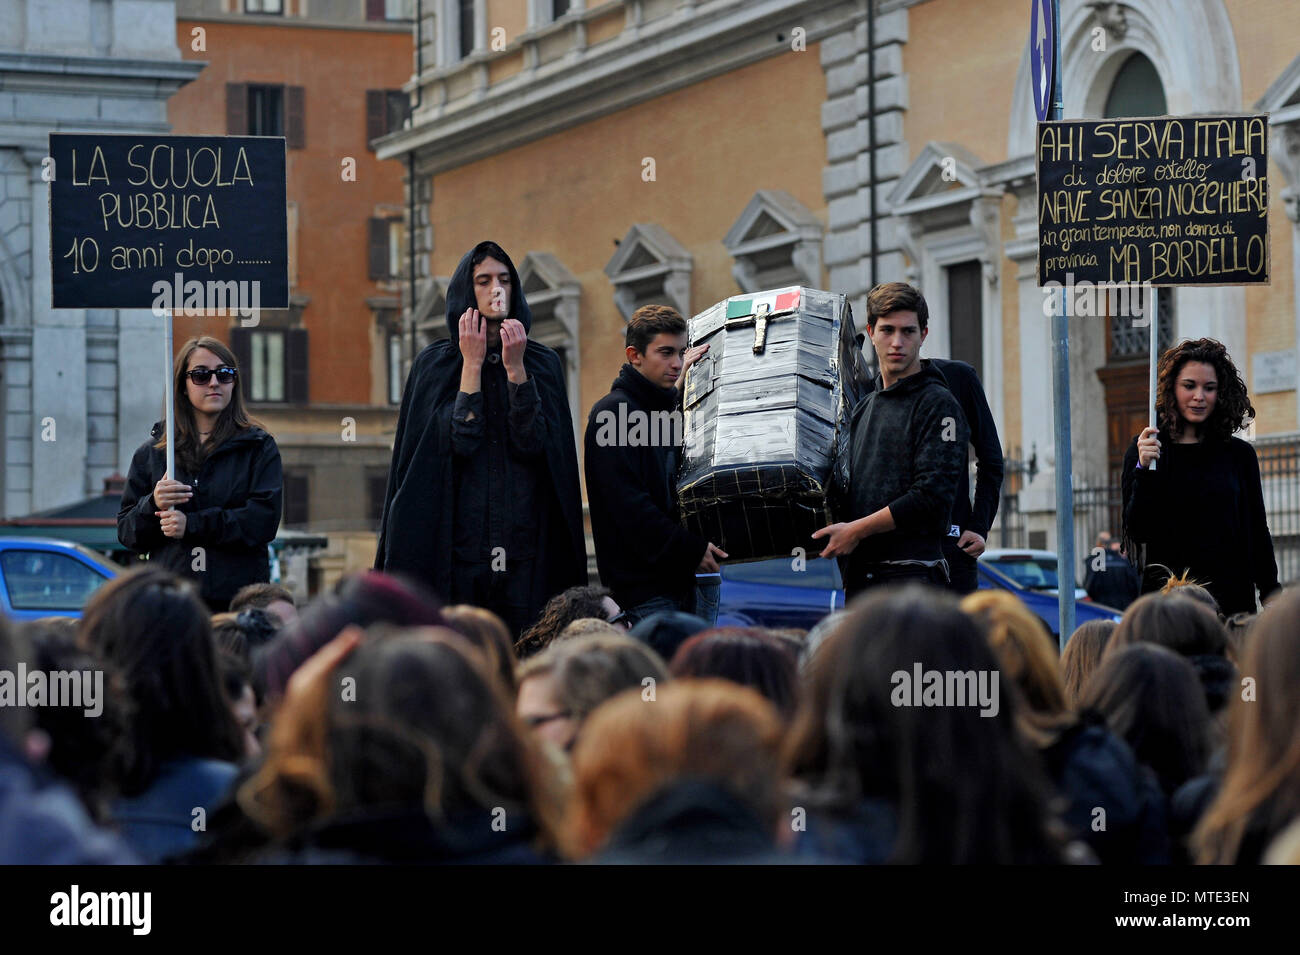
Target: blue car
771,593
48,578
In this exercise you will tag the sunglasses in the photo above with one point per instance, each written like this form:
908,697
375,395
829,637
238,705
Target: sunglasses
201,376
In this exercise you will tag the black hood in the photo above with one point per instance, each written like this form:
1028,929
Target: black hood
460,292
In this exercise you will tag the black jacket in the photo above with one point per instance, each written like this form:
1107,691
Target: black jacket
1201,510
908,454
642,551
1115,585
1093,768
418,531
233,515
965,386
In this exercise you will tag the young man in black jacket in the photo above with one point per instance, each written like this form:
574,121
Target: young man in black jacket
908,443
631,452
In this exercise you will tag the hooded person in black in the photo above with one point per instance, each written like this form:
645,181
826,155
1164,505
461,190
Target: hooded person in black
483,503
908,451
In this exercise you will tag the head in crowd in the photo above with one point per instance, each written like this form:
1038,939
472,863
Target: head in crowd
1152,699
152,628
237,680
656,343
361,599
1197,384
16,722
1082,655
792,638
429,731
1188,627
273,598
709,731
1261,786
87,752
1027,657
560,611
664,632
965,787
213,396
489,635
822,629
1185,586
744,655
584,626
559,687
246,632
1238,628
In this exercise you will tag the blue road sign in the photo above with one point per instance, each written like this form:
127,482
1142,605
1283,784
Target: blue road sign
1042,55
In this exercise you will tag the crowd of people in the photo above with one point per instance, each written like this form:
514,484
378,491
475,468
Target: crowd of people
376,725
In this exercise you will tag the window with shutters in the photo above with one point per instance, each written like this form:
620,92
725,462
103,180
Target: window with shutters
395,368
386,245
274,7
266,374
376,489
265,111
466,23
386,112
297,491
272,363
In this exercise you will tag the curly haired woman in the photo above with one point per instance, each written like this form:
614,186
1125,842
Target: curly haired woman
1202,509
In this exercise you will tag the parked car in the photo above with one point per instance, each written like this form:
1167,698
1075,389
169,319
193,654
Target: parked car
48,578
1031,569
771,593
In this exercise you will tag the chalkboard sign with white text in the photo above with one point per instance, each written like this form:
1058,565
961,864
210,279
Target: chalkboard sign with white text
198,213
1160,201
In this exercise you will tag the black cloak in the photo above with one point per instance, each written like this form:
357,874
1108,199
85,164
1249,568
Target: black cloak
416,535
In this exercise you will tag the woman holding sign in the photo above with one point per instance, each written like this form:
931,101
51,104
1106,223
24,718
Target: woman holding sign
214,522
1202,508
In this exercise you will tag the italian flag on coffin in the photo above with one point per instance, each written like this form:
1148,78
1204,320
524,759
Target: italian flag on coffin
780,300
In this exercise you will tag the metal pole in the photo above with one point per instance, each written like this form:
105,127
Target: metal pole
1061,402
1153,338
171,398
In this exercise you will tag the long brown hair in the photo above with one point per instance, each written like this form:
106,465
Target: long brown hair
1262,783
1232,409
190,451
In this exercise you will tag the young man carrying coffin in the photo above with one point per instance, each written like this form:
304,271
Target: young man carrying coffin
908,443
631,453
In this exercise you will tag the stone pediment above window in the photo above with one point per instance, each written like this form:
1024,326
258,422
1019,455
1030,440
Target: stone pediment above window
431,311
943,175
650,266
552,291
775,242
1282,101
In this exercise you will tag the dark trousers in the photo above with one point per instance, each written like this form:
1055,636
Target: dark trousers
886,575
507,593
963,577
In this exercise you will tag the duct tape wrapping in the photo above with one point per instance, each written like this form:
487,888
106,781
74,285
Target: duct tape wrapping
765,452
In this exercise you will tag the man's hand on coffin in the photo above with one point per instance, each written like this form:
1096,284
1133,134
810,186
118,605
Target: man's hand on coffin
690,357
842,538
709,565
514,339
971,543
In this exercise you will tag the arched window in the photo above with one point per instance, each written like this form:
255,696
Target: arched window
1137,90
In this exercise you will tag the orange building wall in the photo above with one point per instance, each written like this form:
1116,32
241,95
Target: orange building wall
335,67
573,193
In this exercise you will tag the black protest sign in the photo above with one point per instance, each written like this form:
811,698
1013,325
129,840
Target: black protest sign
1162,201
131,214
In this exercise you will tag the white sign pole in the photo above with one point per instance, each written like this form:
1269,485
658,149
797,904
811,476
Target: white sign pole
171,399
1153,336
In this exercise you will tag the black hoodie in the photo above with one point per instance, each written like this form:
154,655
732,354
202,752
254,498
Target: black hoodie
641,548
418,533
233,515
908,454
